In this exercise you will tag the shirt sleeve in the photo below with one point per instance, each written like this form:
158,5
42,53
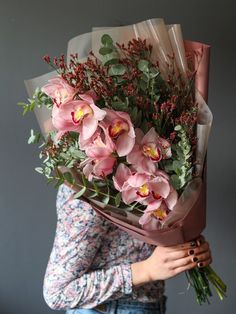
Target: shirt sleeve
68,282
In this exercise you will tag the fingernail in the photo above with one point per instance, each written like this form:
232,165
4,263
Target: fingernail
193,244
199,242
195,259
191,252
200,264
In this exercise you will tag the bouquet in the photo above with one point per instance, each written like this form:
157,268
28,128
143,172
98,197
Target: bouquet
124,122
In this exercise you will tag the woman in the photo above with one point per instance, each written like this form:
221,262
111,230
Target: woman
95,267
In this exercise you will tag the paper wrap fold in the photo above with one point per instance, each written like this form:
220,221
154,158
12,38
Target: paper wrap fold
188,218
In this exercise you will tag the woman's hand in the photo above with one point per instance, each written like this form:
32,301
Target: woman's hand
167,262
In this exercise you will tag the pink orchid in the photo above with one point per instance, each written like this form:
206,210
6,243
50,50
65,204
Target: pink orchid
78,115
148,151
100,151
59,90
158,209
131,185
121,130
155,212
144,188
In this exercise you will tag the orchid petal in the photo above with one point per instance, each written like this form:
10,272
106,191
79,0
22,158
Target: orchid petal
89,127
124,144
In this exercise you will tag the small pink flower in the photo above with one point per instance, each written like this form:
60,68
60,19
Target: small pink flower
59,90
100,152
148,150
121,131
78,115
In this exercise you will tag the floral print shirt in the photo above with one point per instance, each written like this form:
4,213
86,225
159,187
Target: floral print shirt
90,262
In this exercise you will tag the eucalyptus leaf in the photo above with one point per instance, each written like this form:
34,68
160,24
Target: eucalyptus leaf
106,40
68,177
105,50
106,199
34,138
96,188
178,127
84,180
80,193
143,65
154,72
117,69
143,85
175,181
93,195
110,58
118,199
119,105
39,170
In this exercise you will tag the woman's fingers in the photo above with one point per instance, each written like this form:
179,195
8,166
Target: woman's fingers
205,262
184,246
202,259
188,245
182,262
174,254
180,269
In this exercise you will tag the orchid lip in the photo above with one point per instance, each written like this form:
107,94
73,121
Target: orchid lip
76,121
160,214
151,151
117,128
80,113
156,196
143,191
56,103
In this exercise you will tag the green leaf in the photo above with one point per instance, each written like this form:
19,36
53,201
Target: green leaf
105,50
117,69
139,118
175,181
168,167
143,85
111,58
154,72
68,177
80,193
145,77
119,105
117,199
106,40
34,138
106,199
93,195
177,166
143,65
39,170
134,114
96,188
84,180
178,127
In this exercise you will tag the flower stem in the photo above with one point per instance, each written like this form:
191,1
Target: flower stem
200,280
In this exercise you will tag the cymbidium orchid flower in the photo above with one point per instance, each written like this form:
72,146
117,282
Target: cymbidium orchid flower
158,209
121,131
59,90
144,188
148,150
78,115
100,151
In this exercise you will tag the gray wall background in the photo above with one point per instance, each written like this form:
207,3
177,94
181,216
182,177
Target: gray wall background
28,30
